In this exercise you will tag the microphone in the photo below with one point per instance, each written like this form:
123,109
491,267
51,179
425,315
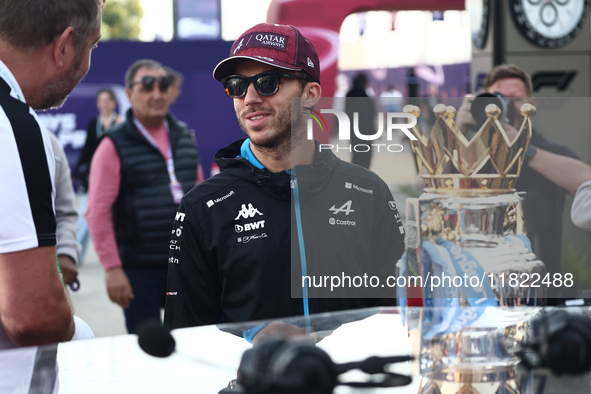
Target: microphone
155,339
158,342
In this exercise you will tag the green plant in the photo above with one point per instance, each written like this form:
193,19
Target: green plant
121,19
574,262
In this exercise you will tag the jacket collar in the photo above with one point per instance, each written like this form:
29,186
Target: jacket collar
311,178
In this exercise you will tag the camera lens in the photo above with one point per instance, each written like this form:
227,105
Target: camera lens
503,102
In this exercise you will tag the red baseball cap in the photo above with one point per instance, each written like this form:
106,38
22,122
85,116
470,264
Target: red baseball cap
281,46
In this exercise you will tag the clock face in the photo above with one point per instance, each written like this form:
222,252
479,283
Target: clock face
478,10
549,23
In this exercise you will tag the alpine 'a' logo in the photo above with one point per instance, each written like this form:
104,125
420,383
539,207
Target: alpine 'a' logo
246,213
238,47
346,208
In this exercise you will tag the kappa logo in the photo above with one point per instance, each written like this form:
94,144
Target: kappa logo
346,208
249,226
246,213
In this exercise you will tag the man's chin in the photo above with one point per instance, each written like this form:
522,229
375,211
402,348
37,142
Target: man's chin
161,114
60,103
49,104
262,141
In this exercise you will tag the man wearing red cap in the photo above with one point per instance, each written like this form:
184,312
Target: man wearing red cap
278,200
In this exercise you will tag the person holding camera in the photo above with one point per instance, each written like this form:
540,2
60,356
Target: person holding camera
549,169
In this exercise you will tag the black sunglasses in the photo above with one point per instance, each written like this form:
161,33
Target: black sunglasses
148,83
266,83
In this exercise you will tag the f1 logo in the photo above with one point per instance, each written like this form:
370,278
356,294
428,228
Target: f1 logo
557,79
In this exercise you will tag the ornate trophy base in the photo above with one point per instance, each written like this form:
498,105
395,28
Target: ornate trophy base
498,380
491,229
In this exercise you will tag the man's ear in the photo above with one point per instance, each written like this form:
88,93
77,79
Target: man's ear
128,93
64,48
312,94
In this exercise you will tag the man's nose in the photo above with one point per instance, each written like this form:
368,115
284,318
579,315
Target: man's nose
252,95
156,92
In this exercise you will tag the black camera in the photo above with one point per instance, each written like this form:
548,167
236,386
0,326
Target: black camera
503,102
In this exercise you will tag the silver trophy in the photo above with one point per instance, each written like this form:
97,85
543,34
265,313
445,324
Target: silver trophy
466,243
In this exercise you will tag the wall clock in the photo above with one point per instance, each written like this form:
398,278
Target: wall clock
549,23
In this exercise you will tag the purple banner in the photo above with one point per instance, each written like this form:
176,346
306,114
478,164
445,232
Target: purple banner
203,104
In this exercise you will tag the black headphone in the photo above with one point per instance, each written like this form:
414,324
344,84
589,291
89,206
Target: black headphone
284,366
561,342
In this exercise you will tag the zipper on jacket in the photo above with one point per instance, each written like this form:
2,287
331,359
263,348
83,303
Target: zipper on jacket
302,248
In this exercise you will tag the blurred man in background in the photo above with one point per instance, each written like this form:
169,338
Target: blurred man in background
139,173
358,101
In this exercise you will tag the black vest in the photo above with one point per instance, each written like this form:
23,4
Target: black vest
144,211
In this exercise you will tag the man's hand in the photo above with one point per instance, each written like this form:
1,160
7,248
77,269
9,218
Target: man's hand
34,307
118,287
69,270
464,119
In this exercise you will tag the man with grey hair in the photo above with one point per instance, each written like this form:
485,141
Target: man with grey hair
138,175
45,51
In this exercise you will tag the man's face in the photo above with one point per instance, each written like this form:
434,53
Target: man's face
149,106
57,89
266,120
514,88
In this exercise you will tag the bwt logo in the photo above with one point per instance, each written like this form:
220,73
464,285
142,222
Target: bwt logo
249,226
345,129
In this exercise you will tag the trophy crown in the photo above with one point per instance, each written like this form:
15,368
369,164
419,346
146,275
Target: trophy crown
485,161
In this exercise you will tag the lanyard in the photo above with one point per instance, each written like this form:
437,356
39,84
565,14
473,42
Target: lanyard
6,75
169,160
